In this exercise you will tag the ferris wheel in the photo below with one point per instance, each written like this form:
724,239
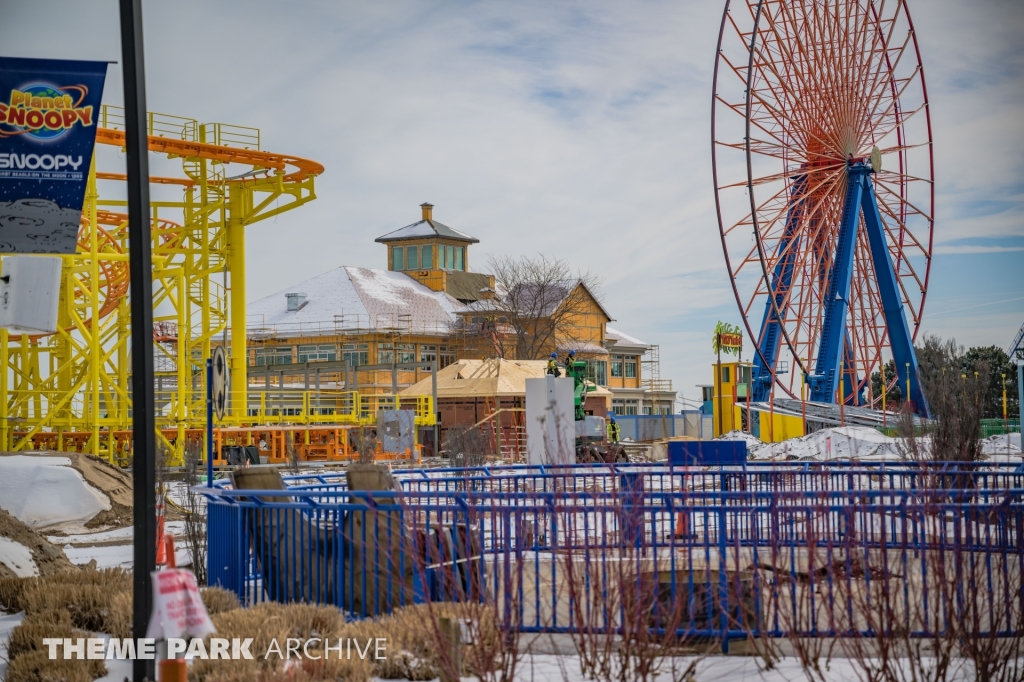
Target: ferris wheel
822,160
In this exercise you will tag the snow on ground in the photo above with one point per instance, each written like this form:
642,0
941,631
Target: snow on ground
845,442
115,536
862,443
46,492
7,623
1008,444
108,556
114,547
18,558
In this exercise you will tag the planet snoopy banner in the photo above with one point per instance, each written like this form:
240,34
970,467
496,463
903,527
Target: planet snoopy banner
48,120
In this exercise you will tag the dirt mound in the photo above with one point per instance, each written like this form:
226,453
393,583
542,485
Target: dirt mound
49,558
113,482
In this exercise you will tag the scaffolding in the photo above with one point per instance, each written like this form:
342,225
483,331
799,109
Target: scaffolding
71,390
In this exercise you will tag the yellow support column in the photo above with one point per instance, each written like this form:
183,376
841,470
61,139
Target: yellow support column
236,266
5,433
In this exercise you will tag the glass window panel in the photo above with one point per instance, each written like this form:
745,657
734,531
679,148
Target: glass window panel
459,264
428,258
413,258
597,371
616,365
406,352
398,258
631,367
450,259
385,353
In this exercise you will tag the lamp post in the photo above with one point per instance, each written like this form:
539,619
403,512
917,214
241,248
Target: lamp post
141,282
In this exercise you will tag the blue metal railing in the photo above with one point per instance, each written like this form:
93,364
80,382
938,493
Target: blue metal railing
711,553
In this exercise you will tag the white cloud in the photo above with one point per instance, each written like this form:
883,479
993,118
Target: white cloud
579,129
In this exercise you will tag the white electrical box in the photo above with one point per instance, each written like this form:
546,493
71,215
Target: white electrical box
550,421
29,294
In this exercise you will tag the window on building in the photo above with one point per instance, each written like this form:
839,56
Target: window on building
428,258
460,264
412,258
428,353
630,361
476,319
450,258
319,353
279,355
385,353
398,258
616,365
725,375
447,356
618,406
356,353
631,406
597,371
406,352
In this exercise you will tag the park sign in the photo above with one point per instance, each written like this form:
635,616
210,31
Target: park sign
48,112
731,340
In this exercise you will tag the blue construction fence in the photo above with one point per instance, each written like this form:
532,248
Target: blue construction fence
730,552
648,427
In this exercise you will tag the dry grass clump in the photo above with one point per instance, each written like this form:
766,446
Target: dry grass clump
35,666
87,604
218,600
409,633
29,634
267,622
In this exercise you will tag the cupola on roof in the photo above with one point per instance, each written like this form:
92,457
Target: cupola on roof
425,229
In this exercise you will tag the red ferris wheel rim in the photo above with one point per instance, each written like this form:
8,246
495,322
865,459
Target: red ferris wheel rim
818,29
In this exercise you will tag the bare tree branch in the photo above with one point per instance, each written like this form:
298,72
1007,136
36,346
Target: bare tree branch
544,301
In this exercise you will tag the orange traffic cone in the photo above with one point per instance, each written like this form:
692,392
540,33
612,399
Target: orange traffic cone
161,553
171,560
173,670
682,525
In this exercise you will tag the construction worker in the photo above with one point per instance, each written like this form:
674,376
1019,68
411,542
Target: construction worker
613,431
553,366
571,358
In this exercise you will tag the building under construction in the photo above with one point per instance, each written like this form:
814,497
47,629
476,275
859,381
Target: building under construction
377,332
315,361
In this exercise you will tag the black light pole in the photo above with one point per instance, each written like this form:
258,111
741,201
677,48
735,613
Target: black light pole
139,264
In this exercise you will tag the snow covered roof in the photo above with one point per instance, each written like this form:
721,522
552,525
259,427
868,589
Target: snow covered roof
351,297
425,229
622,339
581,347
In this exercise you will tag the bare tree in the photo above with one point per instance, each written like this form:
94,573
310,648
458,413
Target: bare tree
543,300
956,401
194,510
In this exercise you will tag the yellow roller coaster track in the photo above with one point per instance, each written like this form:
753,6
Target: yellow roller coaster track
71,390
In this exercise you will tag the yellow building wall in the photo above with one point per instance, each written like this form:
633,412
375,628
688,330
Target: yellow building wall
779,427
724,402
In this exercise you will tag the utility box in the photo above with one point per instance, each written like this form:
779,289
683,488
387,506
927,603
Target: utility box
29,294
396,431
707,452
592,428
550,421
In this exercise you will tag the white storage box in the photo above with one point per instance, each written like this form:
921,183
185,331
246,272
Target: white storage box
29,294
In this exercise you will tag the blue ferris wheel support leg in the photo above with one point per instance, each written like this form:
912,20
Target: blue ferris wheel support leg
860,196
769,340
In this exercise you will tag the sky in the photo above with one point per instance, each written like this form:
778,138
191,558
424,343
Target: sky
574,129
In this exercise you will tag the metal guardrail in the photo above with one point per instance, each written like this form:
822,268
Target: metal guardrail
721,551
